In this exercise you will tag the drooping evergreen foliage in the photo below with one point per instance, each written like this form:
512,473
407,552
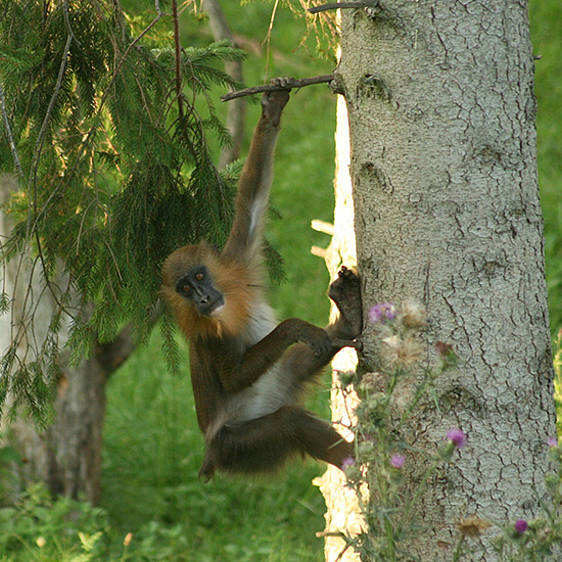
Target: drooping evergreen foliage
112,166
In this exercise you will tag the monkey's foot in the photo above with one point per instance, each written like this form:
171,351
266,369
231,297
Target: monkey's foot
345,291
356,344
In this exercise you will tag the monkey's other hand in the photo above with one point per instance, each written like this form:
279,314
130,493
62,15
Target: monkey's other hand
295,330
318,340
345,291
273,102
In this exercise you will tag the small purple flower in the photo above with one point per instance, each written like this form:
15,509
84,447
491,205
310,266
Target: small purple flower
381,312
521,525
552,441
347,462
457,437
397,461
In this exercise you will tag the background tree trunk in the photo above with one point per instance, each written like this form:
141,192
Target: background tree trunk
442,120
236,109
66,455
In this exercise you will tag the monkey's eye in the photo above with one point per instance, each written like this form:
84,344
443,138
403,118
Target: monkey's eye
199,276
186,288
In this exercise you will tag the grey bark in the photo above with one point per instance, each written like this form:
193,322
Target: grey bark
442,119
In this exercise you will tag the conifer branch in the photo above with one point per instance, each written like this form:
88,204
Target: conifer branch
178,58
13,148
32,181
101,104
39,143
290,84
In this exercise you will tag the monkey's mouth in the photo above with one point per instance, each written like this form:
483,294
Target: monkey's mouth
211,308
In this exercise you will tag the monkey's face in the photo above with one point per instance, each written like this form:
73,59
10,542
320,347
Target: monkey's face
198,287
210,295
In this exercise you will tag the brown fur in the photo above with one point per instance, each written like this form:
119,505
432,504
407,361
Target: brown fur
247,373
232,278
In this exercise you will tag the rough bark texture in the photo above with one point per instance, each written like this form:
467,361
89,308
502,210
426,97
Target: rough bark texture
442,110
343,513
73,442
67,455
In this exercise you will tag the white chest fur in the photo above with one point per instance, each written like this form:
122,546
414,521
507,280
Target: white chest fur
272,390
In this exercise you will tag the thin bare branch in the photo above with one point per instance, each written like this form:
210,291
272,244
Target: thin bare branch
322,226
267,39
67,23
46,119
291,84
338,5
32,180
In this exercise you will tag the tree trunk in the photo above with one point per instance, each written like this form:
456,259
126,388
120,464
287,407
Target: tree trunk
441,112
67,454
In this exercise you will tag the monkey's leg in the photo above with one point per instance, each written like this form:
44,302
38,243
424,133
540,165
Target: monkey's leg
345,291
265,443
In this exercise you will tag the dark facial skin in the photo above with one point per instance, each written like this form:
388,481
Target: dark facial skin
197,286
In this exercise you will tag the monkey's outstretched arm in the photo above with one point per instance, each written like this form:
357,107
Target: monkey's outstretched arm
237,375
245,238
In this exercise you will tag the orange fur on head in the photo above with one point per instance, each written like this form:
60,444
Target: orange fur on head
230,277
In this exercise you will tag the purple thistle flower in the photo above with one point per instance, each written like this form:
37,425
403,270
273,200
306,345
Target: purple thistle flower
397,461
347,462
457,437
521,525
552,441
381,312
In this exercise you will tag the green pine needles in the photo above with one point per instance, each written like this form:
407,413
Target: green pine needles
105,121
